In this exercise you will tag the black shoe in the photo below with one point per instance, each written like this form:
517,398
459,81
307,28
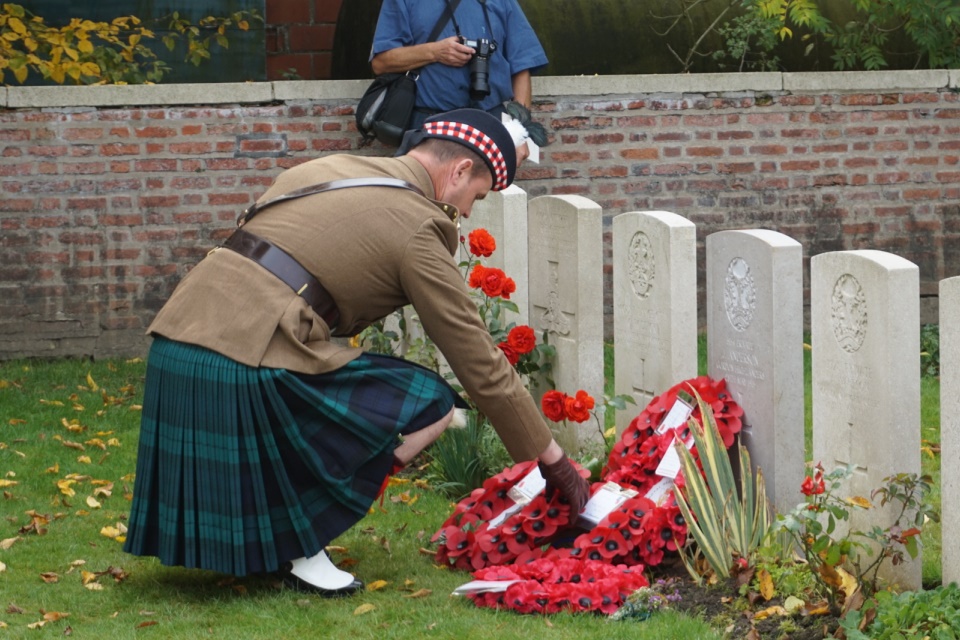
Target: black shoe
298,584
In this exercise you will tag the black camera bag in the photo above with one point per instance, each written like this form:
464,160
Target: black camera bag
386,108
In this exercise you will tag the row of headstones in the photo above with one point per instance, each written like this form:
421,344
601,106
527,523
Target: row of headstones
864,309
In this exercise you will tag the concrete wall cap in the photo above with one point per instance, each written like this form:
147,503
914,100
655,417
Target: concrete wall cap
573,86
847,81
656,83
139,95
286,90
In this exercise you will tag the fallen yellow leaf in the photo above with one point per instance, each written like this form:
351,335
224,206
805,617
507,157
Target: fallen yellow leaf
110,532
94,586
3,567
83,459
771,611
91,384
766,584
49,577
419,593
53,616
848,581
65,487
8,483
93,503
15,421
376,585
6,544
54,469
364,608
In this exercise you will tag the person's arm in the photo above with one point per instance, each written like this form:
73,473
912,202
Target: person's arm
448,51
522,88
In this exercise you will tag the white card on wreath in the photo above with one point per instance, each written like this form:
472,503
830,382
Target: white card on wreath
670,465
677,415
529,487
604,501
482,586
506,513
660,492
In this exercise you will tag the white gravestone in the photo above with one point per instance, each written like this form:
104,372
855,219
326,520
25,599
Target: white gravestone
950,428
566,302
755,342
504,215
654,305
865,325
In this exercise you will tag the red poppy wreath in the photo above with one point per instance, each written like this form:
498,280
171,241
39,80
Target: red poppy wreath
551,562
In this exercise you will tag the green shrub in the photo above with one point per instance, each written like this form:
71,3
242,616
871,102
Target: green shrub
931,614
930,350
461,459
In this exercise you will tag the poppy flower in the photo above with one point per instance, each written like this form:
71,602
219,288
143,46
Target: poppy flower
482,243
577,408
511,475
528,555
613,544
552,405
458,542
522,338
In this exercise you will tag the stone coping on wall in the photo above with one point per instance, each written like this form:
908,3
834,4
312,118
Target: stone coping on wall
286,91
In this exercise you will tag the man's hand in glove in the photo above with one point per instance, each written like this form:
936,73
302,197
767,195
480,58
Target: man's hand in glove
562,476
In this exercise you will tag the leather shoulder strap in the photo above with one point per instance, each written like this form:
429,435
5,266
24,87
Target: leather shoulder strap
320,187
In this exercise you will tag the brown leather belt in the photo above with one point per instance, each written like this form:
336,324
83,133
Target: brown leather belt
286,268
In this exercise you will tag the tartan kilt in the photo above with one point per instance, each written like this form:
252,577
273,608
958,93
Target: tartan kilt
241,469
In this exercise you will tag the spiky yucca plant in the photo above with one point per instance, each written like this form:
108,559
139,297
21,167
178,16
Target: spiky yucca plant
726,523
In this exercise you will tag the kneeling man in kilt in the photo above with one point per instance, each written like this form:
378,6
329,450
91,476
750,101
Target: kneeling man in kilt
262,440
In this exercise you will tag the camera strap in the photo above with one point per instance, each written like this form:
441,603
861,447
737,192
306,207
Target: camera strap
451,7
446,15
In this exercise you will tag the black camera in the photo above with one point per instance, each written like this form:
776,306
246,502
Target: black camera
480,66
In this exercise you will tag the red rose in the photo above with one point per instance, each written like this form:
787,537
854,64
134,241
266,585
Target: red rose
476,276
509,286
482,243
811,486
522,339
578,407
492,281
552,404
512,356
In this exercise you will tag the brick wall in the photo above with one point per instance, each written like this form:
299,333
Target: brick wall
299,38
104,205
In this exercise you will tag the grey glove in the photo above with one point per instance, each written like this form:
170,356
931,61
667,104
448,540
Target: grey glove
562,476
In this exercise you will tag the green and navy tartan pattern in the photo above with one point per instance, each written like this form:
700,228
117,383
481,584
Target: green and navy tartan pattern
241,469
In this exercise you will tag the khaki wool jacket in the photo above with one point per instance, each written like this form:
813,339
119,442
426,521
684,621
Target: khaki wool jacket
375,249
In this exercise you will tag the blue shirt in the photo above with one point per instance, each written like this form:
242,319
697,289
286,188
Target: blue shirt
404,23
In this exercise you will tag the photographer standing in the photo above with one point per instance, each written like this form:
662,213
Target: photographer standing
483,56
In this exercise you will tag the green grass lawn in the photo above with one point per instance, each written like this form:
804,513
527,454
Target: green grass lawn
71,426
49,410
